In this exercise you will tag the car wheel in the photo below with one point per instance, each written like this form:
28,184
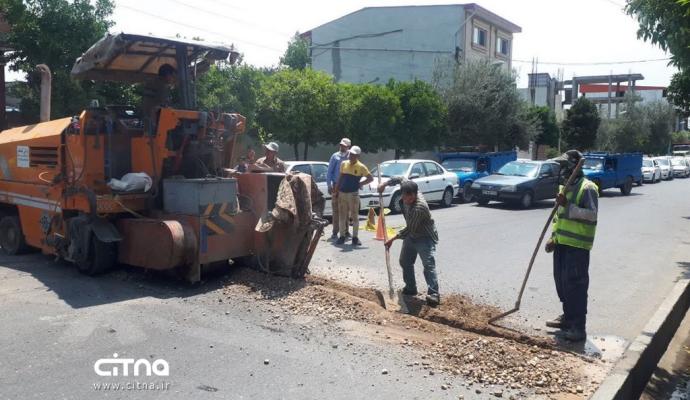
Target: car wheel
11,236
467,196
627,187
482,201
447,199
396,203
526,200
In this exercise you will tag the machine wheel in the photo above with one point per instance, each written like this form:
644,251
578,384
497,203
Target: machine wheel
467,196
627,187
527,199
447,199
396,203
11,236
482,201
102,257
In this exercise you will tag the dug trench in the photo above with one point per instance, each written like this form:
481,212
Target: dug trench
454,338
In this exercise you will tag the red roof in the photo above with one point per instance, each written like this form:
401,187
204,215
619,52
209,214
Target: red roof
591,88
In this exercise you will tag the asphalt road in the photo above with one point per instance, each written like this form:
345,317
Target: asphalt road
57,323
642,245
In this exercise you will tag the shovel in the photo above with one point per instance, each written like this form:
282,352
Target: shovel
392,302
536,249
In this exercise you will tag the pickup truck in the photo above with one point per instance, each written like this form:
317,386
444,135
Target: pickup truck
470,166
610,170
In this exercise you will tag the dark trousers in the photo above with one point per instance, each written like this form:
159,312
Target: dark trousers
426,248
571,274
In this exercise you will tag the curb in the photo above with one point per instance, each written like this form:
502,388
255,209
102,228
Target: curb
631,373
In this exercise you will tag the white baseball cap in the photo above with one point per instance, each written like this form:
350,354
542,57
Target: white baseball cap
356,150
273,146
345,142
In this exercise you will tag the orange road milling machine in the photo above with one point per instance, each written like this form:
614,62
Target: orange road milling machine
64,188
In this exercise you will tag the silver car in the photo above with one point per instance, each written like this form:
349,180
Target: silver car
665,165
651,172
680,167
434,182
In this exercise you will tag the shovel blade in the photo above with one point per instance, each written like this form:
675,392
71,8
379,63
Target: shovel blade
393,301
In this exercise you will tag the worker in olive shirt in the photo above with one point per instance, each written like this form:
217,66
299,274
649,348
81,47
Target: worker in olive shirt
346,193
572,238
270,161
419,238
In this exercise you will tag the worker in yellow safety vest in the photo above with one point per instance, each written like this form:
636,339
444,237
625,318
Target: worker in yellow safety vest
573,231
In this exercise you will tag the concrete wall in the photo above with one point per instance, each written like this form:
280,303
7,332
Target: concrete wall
427,33
475,52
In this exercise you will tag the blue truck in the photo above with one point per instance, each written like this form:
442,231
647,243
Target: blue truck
470,166
609,170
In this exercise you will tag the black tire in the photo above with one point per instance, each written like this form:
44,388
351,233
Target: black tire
102,257
466,194
447,199
627,187
527,199
482,201
11,237
396,203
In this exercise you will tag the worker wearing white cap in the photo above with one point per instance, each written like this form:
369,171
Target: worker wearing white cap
270,162
331,179
346,192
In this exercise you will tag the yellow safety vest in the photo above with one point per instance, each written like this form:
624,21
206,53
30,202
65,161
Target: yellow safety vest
570,232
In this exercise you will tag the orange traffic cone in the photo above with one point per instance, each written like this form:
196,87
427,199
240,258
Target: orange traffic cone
380,234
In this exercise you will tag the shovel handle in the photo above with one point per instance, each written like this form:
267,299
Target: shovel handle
382,218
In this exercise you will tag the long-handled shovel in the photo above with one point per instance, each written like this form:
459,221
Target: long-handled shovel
571,178
393,302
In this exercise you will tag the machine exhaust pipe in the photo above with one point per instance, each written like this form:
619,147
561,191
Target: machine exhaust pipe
46,83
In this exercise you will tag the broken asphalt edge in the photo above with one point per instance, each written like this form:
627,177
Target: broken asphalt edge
633,370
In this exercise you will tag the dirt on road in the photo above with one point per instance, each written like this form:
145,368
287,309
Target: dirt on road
454,338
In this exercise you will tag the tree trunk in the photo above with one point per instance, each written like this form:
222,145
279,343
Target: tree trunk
306,150
294,147
397,154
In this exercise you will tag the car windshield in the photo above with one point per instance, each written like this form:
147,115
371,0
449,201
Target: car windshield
593,164
647,163
519,168
678,161
391,169
459,164
662,161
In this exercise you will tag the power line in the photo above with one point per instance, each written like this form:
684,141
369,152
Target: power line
199,28
240,21
596,63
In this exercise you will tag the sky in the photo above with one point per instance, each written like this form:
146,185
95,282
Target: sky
581,37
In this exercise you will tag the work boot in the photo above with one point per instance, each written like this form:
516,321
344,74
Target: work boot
356,242
409,291
574,334
334,236
347,235
341,240
558,323
433,300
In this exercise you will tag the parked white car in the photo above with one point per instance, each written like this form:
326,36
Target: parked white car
651,172
665,165
434,182
680,167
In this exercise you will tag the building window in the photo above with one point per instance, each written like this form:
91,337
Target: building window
479,37
503,46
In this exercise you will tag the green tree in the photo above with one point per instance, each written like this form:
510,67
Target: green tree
297,106
373,115
660,120
231,88
548,127
55,33
483,106
581,124
297,54
423,121
679,92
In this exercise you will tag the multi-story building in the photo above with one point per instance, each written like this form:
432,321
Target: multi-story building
406,43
